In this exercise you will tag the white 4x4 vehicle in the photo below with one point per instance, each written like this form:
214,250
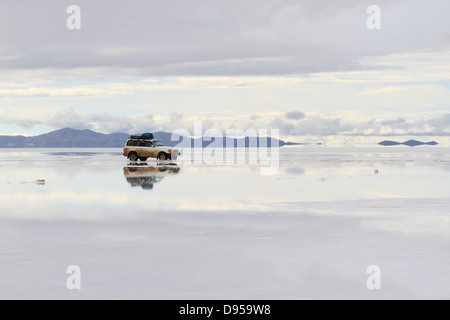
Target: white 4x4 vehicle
141,149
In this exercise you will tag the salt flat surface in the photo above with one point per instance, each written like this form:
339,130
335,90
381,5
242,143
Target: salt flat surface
190,231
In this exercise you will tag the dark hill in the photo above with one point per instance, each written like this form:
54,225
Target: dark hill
409,143
66,138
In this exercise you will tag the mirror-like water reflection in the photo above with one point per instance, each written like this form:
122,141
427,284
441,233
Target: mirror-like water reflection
146,176
103,180
225,231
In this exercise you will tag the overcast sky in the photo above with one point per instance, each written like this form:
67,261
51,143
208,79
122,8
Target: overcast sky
306,67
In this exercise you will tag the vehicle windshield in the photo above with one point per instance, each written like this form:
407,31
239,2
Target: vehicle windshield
158,143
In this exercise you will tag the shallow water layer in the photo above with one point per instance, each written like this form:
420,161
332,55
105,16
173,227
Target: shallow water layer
189,230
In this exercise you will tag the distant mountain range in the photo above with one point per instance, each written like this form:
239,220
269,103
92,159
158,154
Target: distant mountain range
72,138
66,138
409,143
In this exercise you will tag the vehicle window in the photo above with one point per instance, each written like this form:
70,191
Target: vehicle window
142,144
148,144
132,143
158,143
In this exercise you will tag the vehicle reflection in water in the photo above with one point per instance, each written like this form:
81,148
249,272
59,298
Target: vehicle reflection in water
145,176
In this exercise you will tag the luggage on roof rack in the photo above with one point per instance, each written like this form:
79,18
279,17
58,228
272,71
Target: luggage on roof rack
146,135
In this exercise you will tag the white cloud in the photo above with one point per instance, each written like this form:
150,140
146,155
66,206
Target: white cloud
382,91
221,37
308,125
23,123
294,115
401,67
61,92
229,63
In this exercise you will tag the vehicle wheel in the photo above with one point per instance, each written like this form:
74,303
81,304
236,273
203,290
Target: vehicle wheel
133,156
143,159
162,156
